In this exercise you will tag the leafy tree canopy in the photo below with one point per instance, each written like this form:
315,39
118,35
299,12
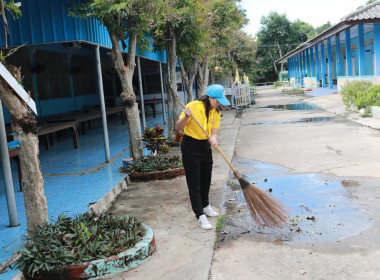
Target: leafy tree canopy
276,37
121,17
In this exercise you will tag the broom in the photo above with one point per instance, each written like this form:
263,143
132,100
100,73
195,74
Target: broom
265,209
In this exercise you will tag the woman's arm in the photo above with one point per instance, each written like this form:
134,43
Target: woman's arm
181,123
213,137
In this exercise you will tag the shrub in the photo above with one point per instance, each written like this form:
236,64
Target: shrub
293,91
178,137
355,93
154,139
278,84
152,163
75,241
373,96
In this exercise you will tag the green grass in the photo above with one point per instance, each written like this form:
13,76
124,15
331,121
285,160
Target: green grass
219,225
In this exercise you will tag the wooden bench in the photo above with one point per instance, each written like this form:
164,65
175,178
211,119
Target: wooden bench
79,117
55,123
47,128
152,103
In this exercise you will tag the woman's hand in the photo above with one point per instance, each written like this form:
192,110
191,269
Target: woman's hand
187,112
181,123
213,141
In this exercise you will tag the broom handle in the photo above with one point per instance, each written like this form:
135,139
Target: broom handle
208,136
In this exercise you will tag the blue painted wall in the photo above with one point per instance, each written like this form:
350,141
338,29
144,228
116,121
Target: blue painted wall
368,50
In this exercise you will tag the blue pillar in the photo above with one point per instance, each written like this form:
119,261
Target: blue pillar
293,72
298,69
348,53
317,75
338,64
304,64
323,62
308,63
376,49
294,66
330,62
312,62
361,59
301,68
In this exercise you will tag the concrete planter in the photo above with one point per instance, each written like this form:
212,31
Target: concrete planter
139,176
124,261
375,111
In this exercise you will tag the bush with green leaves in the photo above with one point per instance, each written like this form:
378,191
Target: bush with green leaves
77,240
155,140
356,93
153,163
278,84
373,96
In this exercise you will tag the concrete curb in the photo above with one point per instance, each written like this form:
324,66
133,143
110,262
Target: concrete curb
124,261
105,202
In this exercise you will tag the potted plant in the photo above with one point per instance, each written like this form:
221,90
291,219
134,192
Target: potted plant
157,165
154,167
155,140
79,248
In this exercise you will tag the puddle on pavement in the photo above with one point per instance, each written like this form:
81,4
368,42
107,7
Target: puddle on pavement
322,210
301,120
292,107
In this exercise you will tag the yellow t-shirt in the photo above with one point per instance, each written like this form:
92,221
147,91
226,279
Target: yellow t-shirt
198,110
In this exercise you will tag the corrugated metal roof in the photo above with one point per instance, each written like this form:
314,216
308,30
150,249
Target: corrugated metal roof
371,11
367,14
47,21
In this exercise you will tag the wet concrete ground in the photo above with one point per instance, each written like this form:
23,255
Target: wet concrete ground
326,168
322,207
310,154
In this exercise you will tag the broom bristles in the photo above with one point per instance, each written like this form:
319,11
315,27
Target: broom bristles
266,210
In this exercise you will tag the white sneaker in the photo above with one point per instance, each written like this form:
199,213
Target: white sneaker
203,222
210,212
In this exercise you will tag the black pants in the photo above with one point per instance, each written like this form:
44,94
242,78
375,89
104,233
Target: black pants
197,161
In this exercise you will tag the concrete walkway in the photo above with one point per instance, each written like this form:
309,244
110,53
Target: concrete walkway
184,251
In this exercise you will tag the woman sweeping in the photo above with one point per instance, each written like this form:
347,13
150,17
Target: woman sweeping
196,149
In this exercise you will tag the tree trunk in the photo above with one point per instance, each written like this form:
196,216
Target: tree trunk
173,97
189,78
127,95
280,52
32,182
274,64
212,72
202,81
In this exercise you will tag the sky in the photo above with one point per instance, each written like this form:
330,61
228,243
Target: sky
315,13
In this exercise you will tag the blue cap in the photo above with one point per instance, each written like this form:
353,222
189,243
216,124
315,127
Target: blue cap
217,91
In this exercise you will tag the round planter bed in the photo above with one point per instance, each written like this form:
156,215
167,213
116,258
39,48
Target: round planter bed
124,261
163,174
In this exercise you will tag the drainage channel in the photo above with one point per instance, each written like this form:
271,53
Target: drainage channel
322,208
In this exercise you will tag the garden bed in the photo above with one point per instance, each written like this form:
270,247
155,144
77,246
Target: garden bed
88,246
163,174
